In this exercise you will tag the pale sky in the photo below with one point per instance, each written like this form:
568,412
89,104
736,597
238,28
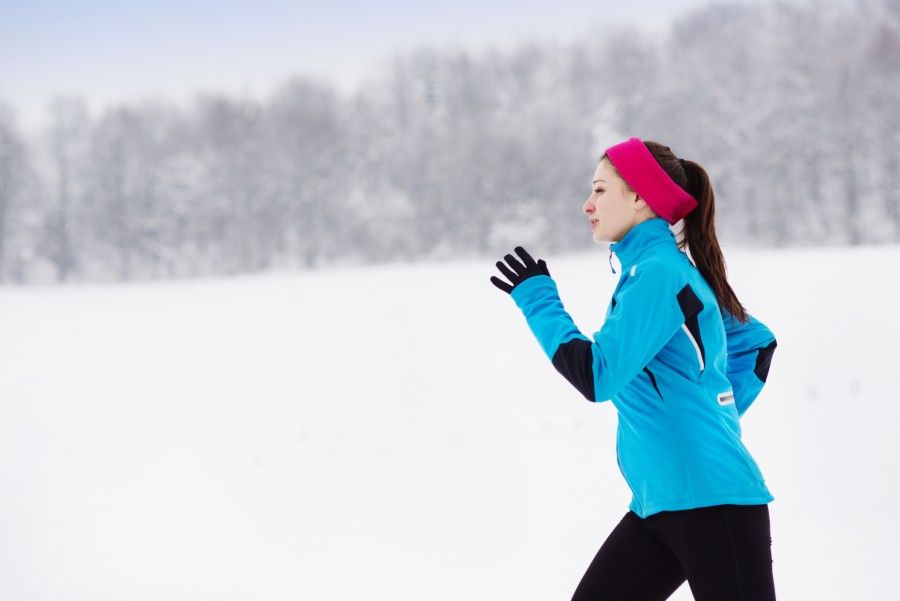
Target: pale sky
115,51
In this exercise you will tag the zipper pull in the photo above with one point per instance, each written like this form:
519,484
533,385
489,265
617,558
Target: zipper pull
610,261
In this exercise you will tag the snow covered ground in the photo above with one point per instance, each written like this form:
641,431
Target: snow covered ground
395,433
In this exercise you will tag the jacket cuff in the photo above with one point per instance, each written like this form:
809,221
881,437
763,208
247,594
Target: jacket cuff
533,289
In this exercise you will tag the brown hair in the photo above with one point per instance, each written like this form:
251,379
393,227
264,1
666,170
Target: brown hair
698,233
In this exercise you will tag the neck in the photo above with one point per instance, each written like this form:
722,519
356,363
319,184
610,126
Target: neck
640,238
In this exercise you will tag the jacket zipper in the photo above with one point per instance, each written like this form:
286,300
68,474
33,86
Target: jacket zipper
625,475
653,381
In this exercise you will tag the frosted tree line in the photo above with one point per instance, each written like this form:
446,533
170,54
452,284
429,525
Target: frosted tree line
791,107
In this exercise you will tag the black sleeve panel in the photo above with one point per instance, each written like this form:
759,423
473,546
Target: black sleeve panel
691,306
575,361
763,360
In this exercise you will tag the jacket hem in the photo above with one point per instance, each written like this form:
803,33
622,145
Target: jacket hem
651,509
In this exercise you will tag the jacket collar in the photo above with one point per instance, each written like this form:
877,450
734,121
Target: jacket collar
639,238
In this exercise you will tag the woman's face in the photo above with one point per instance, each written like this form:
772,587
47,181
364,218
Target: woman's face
612,208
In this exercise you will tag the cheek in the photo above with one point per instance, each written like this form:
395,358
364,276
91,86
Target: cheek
614,205
604,205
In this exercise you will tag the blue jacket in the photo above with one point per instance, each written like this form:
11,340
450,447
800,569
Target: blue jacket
679,370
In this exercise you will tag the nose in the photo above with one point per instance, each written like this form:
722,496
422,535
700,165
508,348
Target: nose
587,207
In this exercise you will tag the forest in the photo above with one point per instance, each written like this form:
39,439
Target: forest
791,107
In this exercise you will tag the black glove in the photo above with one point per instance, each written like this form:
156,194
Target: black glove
520,272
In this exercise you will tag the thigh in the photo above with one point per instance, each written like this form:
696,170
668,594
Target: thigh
725,550
632,564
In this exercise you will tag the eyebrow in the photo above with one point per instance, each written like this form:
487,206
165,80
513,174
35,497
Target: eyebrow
598,180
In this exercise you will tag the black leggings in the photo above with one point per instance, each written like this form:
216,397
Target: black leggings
723,551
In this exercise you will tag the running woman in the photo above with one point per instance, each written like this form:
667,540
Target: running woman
681,360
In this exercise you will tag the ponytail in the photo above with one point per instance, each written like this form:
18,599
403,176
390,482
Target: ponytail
699,233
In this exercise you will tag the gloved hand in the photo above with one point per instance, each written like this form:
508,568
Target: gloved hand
519,272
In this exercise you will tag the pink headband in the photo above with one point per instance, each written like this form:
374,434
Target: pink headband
636,165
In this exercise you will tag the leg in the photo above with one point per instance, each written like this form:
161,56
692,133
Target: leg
631,565
725,550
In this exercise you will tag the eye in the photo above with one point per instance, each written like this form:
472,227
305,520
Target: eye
598,190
